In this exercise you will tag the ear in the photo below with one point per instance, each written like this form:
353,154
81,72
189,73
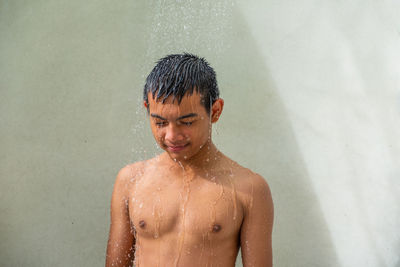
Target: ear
216,109
145,104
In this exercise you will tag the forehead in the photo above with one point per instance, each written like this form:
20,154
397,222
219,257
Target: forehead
189,103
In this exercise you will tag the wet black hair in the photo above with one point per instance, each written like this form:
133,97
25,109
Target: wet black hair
180,74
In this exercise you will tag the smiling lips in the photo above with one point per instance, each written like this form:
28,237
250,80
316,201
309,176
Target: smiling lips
176,148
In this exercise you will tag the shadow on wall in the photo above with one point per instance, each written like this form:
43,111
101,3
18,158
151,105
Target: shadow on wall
255,117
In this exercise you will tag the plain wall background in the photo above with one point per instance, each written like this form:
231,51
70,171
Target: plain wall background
312,104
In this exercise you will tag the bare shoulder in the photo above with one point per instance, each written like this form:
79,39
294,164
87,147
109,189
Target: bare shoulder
128,174
251,182
245,178
251,186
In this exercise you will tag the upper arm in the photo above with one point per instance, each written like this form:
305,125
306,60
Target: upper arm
256,230
120,246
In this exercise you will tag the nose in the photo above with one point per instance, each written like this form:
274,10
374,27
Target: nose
174,134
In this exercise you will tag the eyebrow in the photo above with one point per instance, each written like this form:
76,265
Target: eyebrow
190,115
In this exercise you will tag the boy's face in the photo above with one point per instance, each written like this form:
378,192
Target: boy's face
181,130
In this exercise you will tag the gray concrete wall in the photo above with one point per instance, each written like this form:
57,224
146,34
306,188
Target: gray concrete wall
307,86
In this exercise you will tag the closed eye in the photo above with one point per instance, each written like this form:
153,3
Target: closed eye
187,123
160,124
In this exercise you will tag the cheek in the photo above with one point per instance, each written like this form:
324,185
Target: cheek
202,132
160,134
157,133
189,133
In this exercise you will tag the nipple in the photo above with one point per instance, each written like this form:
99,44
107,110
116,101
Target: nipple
216,228
142,224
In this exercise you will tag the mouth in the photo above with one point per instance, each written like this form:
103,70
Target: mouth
174,148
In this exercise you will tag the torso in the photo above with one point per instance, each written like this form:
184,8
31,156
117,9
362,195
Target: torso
186,220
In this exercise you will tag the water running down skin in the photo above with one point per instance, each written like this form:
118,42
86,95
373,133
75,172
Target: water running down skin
191,205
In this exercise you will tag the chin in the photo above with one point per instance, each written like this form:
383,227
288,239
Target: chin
182,156
176,156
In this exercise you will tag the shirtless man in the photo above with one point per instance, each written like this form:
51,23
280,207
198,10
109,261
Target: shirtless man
191,205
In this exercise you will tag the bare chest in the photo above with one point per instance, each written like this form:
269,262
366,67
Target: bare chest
198,209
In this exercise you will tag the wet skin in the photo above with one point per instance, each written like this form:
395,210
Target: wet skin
191,205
